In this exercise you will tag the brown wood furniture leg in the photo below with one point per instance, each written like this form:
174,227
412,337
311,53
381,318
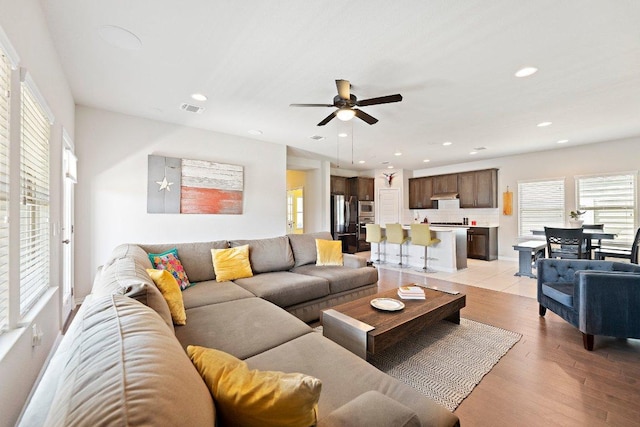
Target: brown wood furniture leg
587,340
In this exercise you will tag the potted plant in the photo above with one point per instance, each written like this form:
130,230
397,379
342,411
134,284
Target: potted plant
576,220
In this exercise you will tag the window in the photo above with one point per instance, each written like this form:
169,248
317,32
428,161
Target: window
609,200
540,204
5,84
34,197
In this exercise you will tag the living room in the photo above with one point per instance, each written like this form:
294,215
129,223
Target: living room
111,193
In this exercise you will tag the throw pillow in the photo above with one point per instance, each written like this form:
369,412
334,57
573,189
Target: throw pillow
329,252
256,398
231,264
171,292
169,261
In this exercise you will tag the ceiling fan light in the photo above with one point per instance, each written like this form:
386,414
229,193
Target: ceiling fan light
345,114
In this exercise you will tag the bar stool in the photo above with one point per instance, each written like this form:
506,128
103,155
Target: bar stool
421,236
374,235
395,234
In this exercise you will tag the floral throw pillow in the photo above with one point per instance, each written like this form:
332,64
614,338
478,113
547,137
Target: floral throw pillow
169,261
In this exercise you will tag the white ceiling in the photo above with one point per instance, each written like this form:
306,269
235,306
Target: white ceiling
453,62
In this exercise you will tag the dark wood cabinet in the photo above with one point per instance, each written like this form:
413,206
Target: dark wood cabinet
420,192
445,183
482,243
362,188
338,185
478,189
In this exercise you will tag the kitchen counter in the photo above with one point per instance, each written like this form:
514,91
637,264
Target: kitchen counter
449,255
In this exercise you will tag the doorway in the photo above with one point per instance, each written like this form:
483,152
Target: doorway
69,179
295,211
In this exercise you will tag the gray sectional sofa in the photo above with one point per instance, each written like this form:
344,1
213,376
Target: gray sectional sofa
122,362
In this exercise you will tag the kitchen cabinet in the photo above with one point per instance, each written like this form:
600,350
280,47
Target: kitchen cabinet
482,243
362,188
338,185
420,192
445,183
478,189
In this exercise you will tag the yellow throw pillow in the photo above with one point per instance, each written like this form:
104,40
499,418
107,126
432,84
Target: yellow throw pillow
329,252
231,264
256,398
170,290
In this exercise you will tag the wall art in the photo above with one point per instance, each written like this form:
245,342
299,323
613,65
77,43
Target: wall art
193,186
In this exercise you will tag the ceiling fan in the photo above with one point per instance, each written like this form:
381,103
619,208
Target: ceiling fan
345,102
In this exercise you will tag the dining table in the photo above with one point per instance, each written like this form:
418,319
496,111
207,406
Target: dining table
589,235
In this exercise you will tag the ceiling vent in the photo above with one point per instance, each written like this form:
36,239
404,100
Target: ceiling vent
317,137
191,108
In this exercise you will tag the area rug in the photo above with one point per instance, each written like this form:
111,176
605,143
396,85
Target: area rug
446,361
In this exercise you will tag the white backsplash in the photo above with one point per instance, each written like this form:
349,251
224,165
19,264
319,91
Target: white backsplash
484,217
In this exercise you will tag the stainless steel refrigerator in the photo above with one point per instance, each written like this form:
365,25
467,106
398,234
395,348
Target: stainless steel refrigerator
343,221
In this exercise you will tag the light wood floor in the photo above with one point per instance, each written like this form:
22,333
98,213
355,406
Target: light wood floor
547,378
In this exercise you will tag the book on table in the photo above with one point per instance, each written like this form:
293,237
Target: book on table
411,292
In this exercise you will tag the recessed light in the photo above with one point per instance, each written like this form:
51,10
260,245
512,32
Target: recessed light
255,132
446,144
120,37
544,124
562,141
361,161
198,97
389,167
397,153
526,71
473,152
426,160
342,135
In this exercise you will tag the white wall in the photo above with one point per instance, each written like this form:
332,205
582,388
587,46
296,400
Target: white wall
111,194
601,158
24,24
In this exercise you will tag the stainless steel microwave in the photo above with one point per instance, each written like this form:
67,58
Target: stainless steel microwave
366,208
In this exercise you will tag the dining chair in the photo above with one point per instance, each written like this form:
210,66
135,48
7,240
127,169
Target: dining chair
631,254
396,235
565,243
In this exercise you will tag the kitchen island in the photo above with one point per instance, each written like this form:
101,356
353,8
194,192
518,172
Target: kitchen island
449,255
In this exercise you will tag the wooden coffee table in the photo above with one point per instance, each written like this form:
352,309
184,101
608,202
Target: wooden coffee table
365,330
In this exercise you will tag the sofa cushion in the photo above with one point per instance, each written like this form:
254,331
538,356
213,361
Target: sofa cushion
341,278
561,292
256,398
231,263
195,257
241,327
170,290
345,376
212,292
128,276
266,255
284,288
304,246
371,409
111,377
170,261
328,252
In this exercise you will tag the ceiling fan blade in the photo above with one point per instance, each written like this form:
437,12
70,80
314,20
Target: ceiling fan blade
366,117
344,89
327,119
381,100
310,105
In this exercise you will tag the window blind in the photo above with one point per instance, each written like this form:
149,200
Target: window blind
609,200
540,204
5,84
34,199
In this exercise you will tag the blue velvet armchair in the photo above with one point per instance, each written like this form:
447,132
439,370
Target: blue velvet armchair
597,297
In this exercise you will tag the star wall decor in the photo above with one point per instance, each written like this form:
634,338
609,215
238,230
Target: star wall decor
164,184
